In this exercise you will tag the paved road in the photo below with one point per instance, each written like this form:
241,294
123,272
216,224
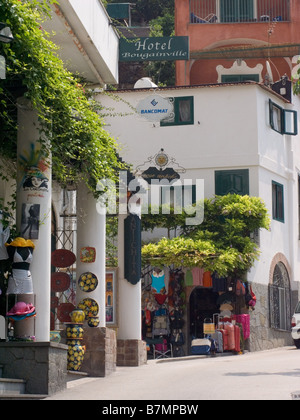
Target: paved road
266,375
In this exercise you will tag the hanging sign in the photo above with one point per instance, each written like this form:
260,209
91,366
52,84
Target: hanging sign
154,173
155,108
132,248
154,48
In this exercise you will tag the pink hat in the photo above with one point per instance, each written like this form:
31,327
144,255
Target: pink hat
21,308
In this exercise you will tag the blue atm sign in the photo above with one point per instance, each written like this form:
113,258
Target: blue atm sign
154,49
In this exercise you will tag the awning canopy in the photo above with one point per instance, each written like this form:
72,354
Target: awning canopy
248,51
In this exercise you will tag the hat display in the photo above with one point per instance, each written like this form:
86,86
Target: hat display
21,310
21,242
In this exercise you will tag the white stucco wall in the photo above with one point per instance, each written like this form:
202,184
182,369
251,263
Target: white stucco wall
231,130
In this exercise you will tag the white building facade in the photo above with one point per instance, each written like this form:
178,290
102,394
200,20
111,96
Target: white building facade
231,138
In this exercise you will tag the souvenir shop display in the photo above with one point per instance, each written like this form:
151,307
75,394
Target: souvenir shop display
20,311
75,354
219,318
162,314
74,335
61,287
93,321
55,336
20,253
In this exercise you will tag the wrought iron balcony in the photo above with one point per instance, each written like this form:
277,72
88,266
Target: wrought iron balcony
239,11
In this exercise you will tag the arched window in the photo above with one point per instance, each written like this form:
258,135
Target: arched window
280,298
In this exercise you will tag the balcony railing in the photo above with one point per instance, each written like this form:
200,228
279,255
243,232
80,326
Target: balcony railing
239,11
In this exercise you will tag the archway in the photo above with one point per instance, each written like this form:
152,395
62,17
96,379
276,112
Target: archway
202,304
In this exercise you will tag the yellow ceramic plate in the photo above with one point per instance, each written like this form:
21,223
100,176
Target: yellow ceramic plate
89,306
88,282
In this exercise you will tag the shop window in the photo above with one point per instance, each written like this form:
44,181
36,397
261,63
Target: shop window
183,112
235,181
277,202
283,121
280,299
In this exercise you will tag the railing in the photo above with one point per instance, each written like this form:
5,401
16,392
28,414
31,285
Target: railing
239,11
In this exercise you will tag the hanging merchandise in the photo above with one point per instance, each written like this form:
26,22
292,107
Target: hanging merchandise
207,279
244,320
197,276
219,284
189,278
158,282
158,286
240,289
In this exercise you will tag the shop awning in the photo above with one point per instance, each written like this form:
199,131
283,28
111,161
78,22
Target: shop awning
248,51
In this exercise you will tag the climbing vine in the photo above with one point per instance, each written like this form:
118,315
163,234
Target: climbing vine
80,147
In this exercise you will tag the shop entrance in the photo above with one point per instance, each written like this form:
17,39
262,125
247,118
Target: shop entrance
203,304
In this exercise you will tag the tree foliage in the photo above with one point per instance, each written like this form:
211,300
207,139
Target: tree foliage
222,243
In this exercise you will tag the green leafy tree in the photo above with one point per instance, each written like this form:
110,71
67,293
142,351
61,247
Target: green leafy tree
222,243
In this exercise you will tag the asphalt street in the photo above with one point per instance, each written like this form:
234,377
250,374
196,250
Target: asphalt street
266,375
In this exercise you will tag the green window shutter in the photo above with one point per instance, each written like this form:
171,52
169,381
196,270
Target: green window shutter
236,10
235,181
229,78
183,112
118,10
277,202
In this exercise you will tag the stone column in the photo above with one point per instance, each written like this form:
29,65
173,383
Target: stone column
131,349
34,210
100,356
91,232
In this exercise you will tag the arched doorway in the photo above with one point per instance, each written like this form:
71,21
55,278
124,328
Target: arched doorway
203,304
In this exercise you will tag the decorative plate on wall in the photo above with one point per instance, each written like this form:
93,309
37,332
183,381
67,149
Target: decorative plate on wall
60,281
88,282
88,254
64,310
89,306
62,258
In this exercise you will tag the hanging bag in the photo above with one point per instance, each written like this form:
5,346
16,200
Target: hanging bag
208,327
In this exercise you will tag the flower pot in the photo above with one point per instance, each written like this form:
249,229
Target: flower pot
55,336
93,321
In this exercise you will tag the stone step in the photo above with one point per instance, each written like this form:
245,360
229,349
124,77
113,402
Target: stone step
12,386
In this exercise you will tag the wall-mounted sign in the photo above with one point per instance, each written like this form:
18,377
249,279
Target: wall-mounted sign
159,174
155,108
154,49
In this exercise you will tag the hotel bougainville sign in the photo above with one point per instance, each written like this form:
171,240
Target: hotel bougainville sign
154,49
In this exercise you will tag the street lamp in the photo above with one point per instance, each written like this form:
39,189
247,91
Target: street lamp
5,33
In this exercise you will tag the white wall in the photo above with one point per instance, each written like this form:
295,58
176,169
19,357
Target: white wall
233,132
